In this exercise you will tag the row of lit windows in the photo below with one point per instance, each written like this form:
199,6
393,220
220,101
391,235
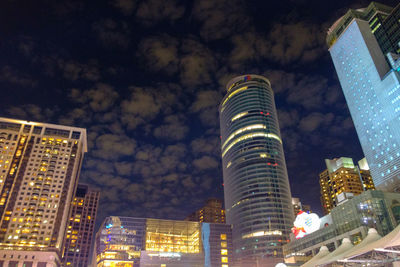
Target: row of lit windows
252,135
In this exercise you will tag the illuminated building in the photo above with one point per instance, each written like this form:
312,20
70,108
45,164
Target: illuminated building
256,187
78,237
212,212
341,176
298,206
364,48
351,219
39,169
131,242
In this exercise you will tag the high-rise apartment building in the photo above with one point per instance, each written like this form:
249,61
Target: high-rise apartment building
342,176
212,212
257,194
364,46
79,234
39,169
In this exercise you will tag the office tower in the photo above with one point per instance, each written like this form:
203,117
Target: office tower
341,176
362,43
258,201
78,237
212,212
39,169
298,206
134,242
365,174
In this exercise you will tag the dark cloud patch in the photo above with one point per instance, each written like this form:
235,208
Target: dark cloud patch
15,77
174,127
153,11
161,53
31,112
112,33
219,19
205,163
314,120
206,106
74,70
125,6
109,146
144,104
99,98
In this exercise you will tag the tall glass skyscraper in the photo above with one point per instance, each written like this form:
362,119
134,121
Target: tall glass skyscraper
364,45
256,186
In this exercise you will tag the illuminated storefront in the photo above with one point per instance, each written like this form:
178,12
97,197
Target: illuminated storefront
134,242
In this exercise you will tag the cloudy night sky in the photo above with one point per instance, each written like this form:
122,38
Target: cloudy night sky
145,79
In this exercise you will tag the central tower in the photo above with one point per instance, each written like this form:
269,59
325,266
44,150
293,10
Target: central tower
256,185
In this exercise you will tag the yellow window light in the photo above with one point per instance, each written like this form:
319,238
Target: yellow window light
234,93
244,129
252,135
238,116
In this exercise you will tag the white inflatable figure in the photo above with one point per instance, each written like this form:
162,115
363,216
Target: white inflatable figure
305,224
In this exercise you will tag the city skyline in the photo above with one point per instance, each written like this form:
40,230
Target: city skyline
147,88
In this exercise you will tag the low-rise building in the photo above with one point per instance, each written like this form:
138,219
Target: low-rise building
351,219
135,242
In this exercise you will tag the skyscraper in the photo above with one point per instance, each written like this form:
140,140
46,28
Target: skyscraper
79,234
212,212
342,176
362,43
39,169
257,193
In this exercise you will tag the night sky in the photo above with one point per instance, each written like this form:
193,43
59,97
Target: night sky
145,79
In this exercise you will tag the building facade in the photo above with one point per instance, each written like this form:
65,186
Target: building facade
364,46
351,219
79,234
212,212
131,242
39,169
298,206
342,176
256,187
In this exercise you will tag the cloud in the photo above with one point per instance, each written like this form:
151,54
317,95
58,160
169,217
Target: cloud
206,106
144,104
73,70
314,120
154,161
285,43
205,163
123,167
31,112
112,33
100,98
219,19
125,6
209,145
153,11
197,64
296,41
288,118
15,77
173,128
109,146
161,53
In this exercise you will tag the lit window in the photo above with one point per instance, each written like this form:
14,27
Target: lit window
224,259
224,252
223,236
223,244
